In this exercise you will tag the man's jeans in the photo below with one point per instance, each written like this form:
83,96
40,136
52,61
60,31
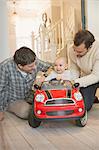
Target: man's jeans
89,94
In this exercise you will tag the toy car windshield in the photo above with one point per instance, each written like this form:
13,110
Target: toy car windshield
56,84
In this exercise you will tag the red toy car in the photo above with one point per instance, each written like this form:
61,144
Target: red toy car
57,100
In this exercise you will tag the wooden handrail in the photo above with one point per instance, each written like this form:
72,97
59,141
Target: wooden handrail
55,37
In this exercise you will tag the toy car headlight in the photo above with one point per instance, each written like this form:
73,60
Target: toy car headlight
78,96
39,97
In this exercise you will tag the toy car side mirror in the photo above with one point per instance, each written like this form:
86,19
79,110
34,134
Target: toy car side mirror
37,87
76,85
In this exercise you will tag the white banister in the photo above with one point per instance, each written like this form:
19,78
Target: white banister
52,40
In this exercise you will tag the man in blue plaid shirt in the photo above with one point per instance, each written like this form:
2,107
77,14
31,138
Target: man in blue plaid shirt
17,75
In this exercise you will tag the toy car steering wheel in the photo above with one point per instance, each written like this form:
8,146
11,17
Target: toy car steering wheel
54,81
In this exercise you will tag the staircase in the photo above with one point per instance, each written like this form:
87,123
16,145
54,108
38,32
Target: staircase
55,39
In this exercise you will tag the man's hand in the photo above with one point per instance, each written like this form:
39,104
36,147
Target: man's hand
1,116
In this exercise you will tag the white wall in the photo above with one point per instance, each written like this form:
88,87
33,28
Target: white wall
4,50
93,17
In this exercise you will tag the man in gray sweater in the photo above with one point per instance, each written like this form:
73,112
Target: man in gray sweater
84,61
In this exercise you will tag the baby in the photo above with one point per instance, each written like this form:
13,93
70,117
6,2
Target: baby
60,71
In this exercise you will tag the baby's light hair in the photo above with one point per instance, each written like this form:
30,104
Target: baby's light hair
62,58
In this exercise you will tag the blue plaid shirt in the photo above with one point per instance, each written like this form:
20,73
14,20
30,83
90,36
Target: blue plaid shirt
13,85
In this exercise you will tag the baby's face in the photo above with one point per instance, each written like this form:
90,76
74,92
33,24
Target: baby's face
60,66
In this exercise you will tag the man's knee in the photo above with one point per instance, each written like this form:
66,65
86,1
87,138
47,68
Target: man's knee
24,111
20,109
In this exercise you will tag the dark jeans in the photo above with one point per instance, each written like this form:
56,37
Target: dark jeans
89,94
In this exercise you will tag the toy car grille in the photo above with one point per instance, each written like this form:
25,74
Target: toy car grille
60,113
58,102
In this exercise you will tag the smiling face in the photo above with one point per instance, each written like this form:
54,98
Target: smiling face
60,65
80,50
27,68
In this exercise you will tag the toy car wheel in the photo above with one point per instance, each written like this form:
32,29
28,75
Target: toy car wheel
32,120
82,121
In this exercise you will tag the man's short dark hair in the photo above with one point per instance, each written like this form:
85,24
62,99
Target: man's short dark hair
84,36
24,56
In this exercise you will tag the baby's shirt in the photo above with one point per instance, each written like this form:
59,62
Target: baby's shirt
66,75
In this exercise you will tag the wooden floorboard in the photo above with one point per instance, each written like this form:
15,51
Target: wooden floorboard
16,134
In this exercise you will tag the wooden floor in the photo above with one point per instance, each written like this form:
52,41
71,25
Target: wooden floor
16,134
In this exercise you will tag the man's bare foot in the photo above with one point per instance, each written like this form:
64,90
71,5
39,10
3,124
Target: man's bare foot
1,116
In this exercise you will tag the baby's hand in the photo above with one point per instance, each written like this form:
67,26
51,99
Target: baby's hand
40,80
